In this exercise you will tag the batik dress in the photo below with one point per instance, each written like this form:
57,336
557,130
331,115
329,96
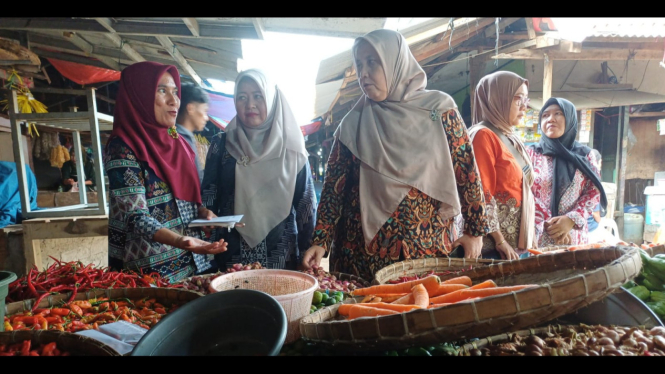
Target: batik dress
141,204
501,176
282,248
414,230
577,201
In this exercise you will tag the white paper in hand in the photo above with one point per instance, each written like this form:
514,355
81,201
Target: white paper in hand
226,221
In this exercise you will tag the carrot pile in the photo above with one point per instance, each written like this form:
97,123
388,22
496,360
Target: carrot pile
426,293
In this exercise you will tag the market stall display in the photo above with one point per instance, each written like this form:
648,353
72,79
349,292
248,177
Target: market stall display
201,283
73,277
51,343
581,340
564,282
141,306
292,289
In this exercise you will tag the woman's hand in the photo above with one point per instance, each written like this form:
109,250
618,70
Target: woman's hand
559,226
506,251
205,213
199,246
472,245
313,256
564,240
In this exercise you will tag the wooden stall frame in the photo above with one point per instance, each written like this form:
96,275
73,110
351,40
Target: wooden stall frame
67,121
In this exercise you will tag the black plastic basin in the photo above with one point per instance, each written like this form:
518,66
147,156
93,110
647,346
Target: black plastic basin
229,323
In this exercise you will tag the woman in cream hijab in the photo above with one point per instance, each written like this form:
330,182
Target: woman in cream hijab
400,169
258,168
501,101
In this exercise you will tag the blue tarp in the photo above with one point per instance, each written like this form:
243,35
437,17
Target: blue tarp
10,199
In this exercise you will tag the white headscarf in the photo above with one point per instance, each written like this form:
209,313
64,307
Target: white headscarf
274,153
399,143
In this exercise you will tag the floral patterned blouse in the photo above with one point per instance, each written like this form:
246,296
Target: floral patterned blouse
414,230
140,205
577,202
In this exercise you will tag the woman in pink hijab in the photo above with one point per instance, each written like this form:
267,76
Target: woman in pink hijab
154,185
400,170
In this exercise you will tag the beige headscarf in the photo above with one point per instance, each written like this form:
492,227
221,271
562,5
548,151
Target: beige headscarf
274,153
398,142
493,98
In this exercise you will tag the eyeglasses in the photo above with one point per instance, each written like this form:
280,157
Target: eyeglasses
521,101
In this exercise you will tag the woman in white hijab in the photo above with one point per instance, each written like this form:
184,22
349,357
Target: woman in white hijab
258,168
400,170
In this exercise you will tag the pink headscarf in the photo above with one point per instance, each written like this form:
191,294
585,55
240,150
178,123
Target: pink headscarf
134,122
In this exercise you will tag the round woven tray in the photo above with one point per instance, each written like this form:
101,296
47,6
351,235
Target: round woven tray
162,295
76,345
659,249
568,281
423,265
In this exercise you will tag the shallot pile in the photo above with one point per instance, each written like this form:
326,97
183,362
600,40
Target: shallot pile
330,282
201,283
587,341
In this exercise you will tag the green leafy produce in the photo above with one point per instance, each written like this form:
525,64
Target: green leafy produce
641,292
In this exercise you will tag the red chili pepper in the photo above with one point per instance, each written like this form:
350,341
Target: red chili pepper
25,348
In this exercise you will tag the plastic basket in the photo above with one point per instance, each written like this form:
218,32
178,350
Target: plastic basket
6,278
293,290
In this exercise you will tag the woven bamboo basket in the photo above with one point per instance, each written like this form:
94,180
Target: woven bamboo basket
76,345
567,282
423,265
657,250
292,289
164,296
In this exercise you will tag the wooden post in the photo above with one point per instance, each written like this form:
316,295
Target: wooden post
622,148
547,78
476,71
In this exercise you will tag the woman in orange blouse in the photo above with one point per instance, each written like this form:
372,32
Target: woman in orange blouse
505,167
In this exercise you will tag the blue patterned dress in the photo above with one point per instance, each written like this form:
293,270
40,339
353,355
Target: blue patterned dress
141,204
283,246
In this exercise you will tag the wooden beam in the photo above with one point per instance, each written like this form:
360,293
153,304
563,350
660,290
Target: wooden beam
645,46
118,41
172,49
462,32
15,62
122,61
89,51
623,39
648,114
68,57
62,91
211,31
538,42
258,26
622,150
547,78
490,32
608,86
192,25
531,33
598,55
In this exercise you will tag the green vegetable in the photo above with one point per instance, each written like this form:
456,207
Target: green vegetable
330,301
648,280
417,352
661,255
658,307
317,298
629,284
657,268
657,296
641,292
391,353
324,297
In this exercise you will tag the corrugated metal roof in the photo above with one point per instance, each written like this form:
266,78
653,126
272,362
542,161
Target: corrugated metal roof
629,27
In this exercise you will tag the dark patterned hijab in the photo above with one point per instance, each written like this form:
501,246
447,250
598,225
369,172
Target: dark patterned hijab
568,155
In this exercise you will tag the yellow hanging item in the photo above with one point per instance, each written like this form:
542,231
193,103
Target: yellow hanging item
26,102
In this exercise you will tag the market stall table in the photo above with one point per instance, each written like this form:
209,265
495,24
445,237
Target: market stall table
38,229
